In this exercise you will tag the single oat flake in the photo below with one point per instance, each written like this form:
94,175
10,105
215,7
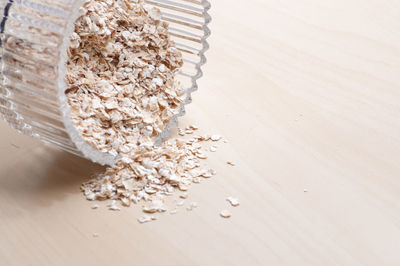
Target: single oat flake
225,214
144,219
233,201
113,206
155,206
215,137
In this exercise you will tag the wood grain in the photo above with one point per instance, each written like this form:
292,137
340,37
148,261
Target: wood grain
307,92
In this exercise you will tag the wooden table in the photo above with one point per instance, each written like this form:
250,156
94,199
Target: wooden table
307,92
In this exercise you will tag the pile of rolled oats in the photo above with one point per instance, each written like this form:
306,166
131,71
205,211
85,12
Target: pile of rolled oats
122,93
152,173
121,84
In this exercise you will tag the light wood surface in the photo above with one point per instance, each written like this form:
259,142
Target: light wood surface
307,92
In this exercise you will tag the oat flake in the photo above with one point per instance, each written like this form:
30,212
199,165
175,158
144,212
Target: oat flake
233,201
144,219
113,206
225,214
215,137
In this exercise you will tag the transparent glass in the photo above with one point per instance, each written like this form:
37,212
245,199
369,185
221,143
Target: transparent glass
34,40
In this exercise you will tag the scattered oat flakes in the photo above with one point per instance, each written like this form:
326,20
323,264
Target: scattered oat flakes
184,195
95,206
150,175
225,214
174,211
233,201
230,163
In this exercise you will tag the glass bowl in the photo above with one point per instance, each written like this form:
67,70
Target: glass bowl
34,40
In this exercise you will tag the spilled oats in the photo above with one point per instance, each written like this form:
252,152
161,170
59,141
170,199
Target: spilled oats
122,92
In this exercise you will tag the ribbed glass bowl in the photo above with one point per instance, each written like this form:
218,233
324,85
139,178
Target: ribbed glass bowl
34,40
